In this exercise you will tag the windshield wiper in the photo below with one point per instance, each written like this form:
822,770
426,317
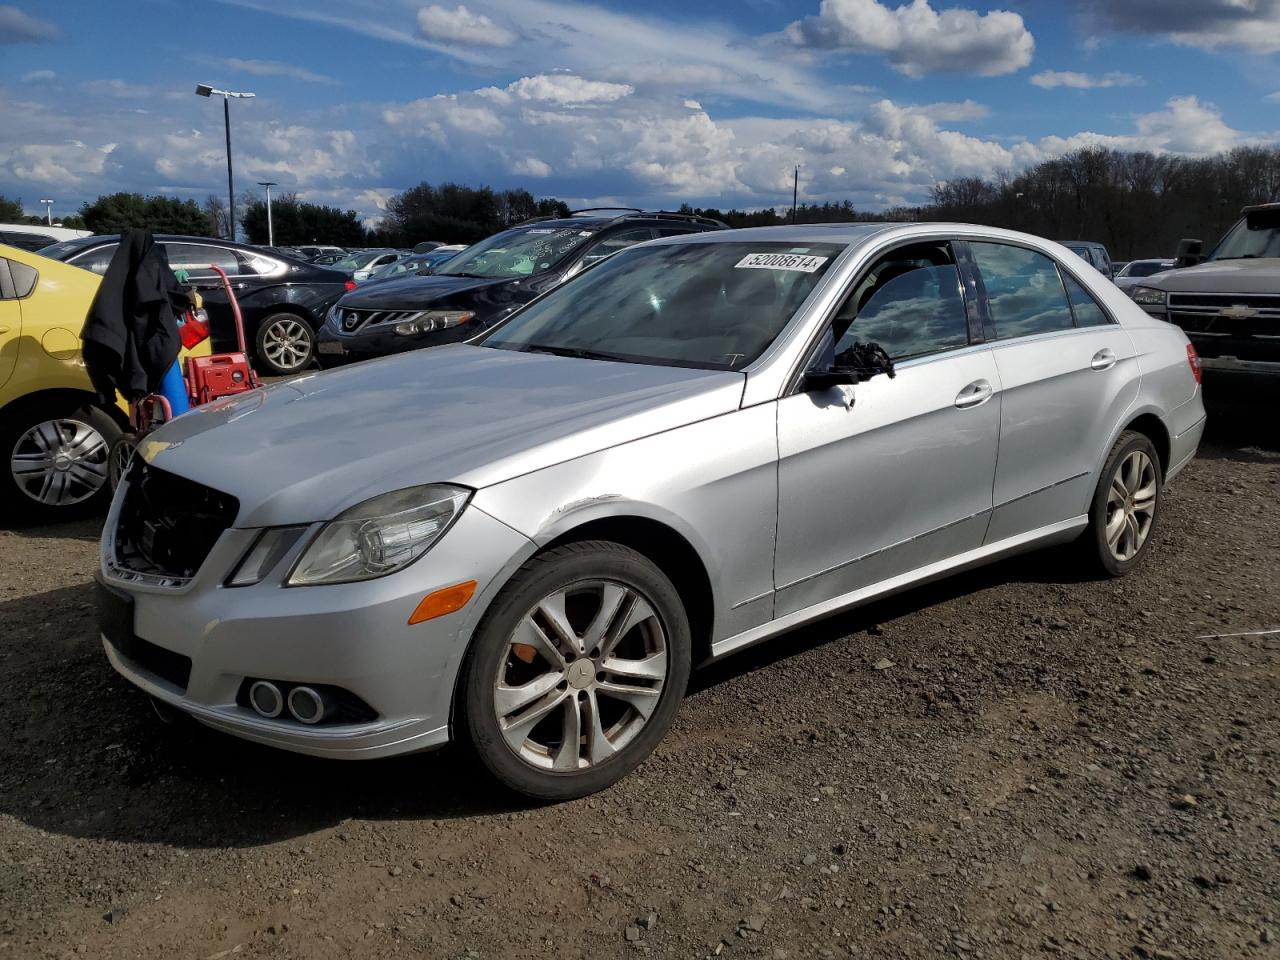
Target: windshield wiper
469,276
578,352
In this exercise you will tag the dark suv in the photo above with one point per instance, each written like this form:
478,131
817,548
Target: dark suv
486,282
283,300
1094,254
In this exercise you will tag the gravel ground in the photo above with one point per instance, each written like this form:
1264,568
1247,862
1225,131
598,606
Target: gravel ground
1050,766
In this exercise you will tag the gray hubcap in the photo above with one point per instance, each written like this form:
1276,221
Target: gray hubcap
286,343
60,462
582,674
1131,505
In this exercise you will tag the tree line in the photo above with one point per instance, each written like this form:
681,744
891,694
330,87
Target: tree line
1138,204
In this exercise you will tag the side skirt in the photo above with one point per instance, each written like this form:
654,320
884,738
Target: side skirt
1043,536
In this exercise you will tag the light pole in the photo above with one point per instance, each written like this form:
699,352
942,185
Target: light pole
48,209
271,230
204,90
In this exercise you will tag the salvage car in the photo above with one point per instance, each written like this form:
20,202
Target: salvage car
526,542
283,301
486,282
1229,302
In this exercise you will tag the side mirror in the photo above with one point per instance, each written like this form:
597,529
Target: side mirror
824,378
1190,252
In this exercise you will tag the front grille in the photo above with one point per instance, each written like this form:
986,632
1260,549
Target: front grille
352,321
168,524
1220,326
165,664
1216,301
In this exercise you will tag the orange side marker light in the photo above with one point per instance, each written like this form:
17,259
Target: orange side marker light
443,601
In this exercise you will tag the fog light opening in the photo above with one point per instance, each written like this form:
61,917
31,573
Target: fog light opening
266,699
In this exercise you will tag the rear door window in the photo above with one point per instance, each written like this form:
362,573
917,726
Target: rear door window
95,260
1024,290
1088,312
195,258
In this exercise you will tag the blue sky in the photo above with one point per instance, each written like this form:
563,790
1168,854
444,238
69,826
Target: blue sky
652,104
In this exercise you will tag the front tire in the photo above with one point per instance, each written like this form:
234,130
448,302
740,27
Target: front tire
1126,503
576,672
56,460
285,344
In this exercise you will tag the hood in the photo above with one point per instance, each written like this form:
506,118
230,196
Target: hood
307,449
1221,276
413,291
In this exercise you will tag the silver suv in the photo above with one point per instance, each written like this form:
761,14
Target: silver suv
526,542
1229,303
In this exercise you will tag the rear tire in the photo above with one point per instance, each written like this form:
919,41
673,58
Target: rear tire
55,465
1126,506
284,344
576,671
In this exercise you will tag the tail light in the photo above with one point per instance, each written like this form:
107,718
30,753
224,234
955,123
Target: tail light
350,285
1193,361
195,329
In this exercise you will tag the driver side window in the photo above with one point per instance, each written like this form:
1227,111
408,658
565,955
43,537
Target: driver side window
910,302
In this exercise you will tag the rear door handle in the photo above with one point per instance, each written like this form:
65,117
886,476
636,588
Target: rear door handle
1104,359
974,395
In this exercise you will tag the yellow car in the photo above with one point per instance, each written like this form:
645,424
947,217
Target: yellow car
54,435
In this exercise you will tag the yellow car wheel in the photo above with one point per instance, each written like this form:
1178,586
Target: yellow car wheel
56,460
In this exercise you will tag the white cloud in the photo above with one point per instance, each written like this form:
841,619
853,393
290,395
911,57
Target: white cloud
39,76
531,167
917,39
1273,97
19,27
266,68
1048,79
565,88
460,25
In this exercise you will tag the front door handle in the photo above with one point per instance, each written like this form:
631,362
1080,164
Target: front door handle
974,395
1104,359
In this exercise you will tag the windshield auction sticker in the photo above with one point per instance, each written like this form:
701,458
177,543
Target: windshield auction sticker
780,261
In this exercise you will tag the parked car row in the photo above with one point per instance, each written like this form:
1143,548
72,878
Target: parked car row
284,301
486,282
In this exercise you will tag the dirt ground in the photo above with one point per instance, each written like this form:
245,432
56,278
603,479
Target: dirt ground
1051,767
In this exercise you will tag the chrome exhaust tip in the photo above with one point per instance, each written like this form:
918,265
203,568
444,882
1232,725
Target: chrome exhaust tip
307,705
266,699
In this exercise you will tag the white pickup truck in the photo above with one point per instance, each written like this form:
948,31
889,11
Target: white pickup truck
1229,302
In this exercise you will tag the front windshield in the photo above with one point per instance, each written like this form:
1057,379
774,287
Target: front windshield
1257,235
709,305
518,253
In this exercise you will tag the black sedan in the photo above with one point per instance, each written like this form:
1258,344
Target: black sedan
283,300
486,282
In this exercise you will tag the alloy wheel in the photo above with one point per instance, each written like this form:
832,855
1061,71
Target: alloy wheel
1131,505
583,672
60,462
286,342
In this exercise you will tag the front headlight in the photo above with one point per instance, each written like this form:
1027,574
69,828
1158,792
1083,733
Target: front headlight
1149,296
380,536
433,320
334,316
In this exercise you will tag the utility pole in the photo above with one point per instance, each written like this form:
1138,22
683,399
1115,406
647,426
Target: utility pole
48,209
271,230
795,192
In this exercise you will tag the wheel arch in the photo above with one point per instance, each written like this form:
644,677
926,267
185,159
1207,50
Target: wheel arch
37,398
1153,428
671,553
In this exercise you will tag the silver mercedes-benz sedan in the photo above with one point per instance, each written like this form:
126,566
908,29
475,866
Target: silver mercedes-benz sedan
526,541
